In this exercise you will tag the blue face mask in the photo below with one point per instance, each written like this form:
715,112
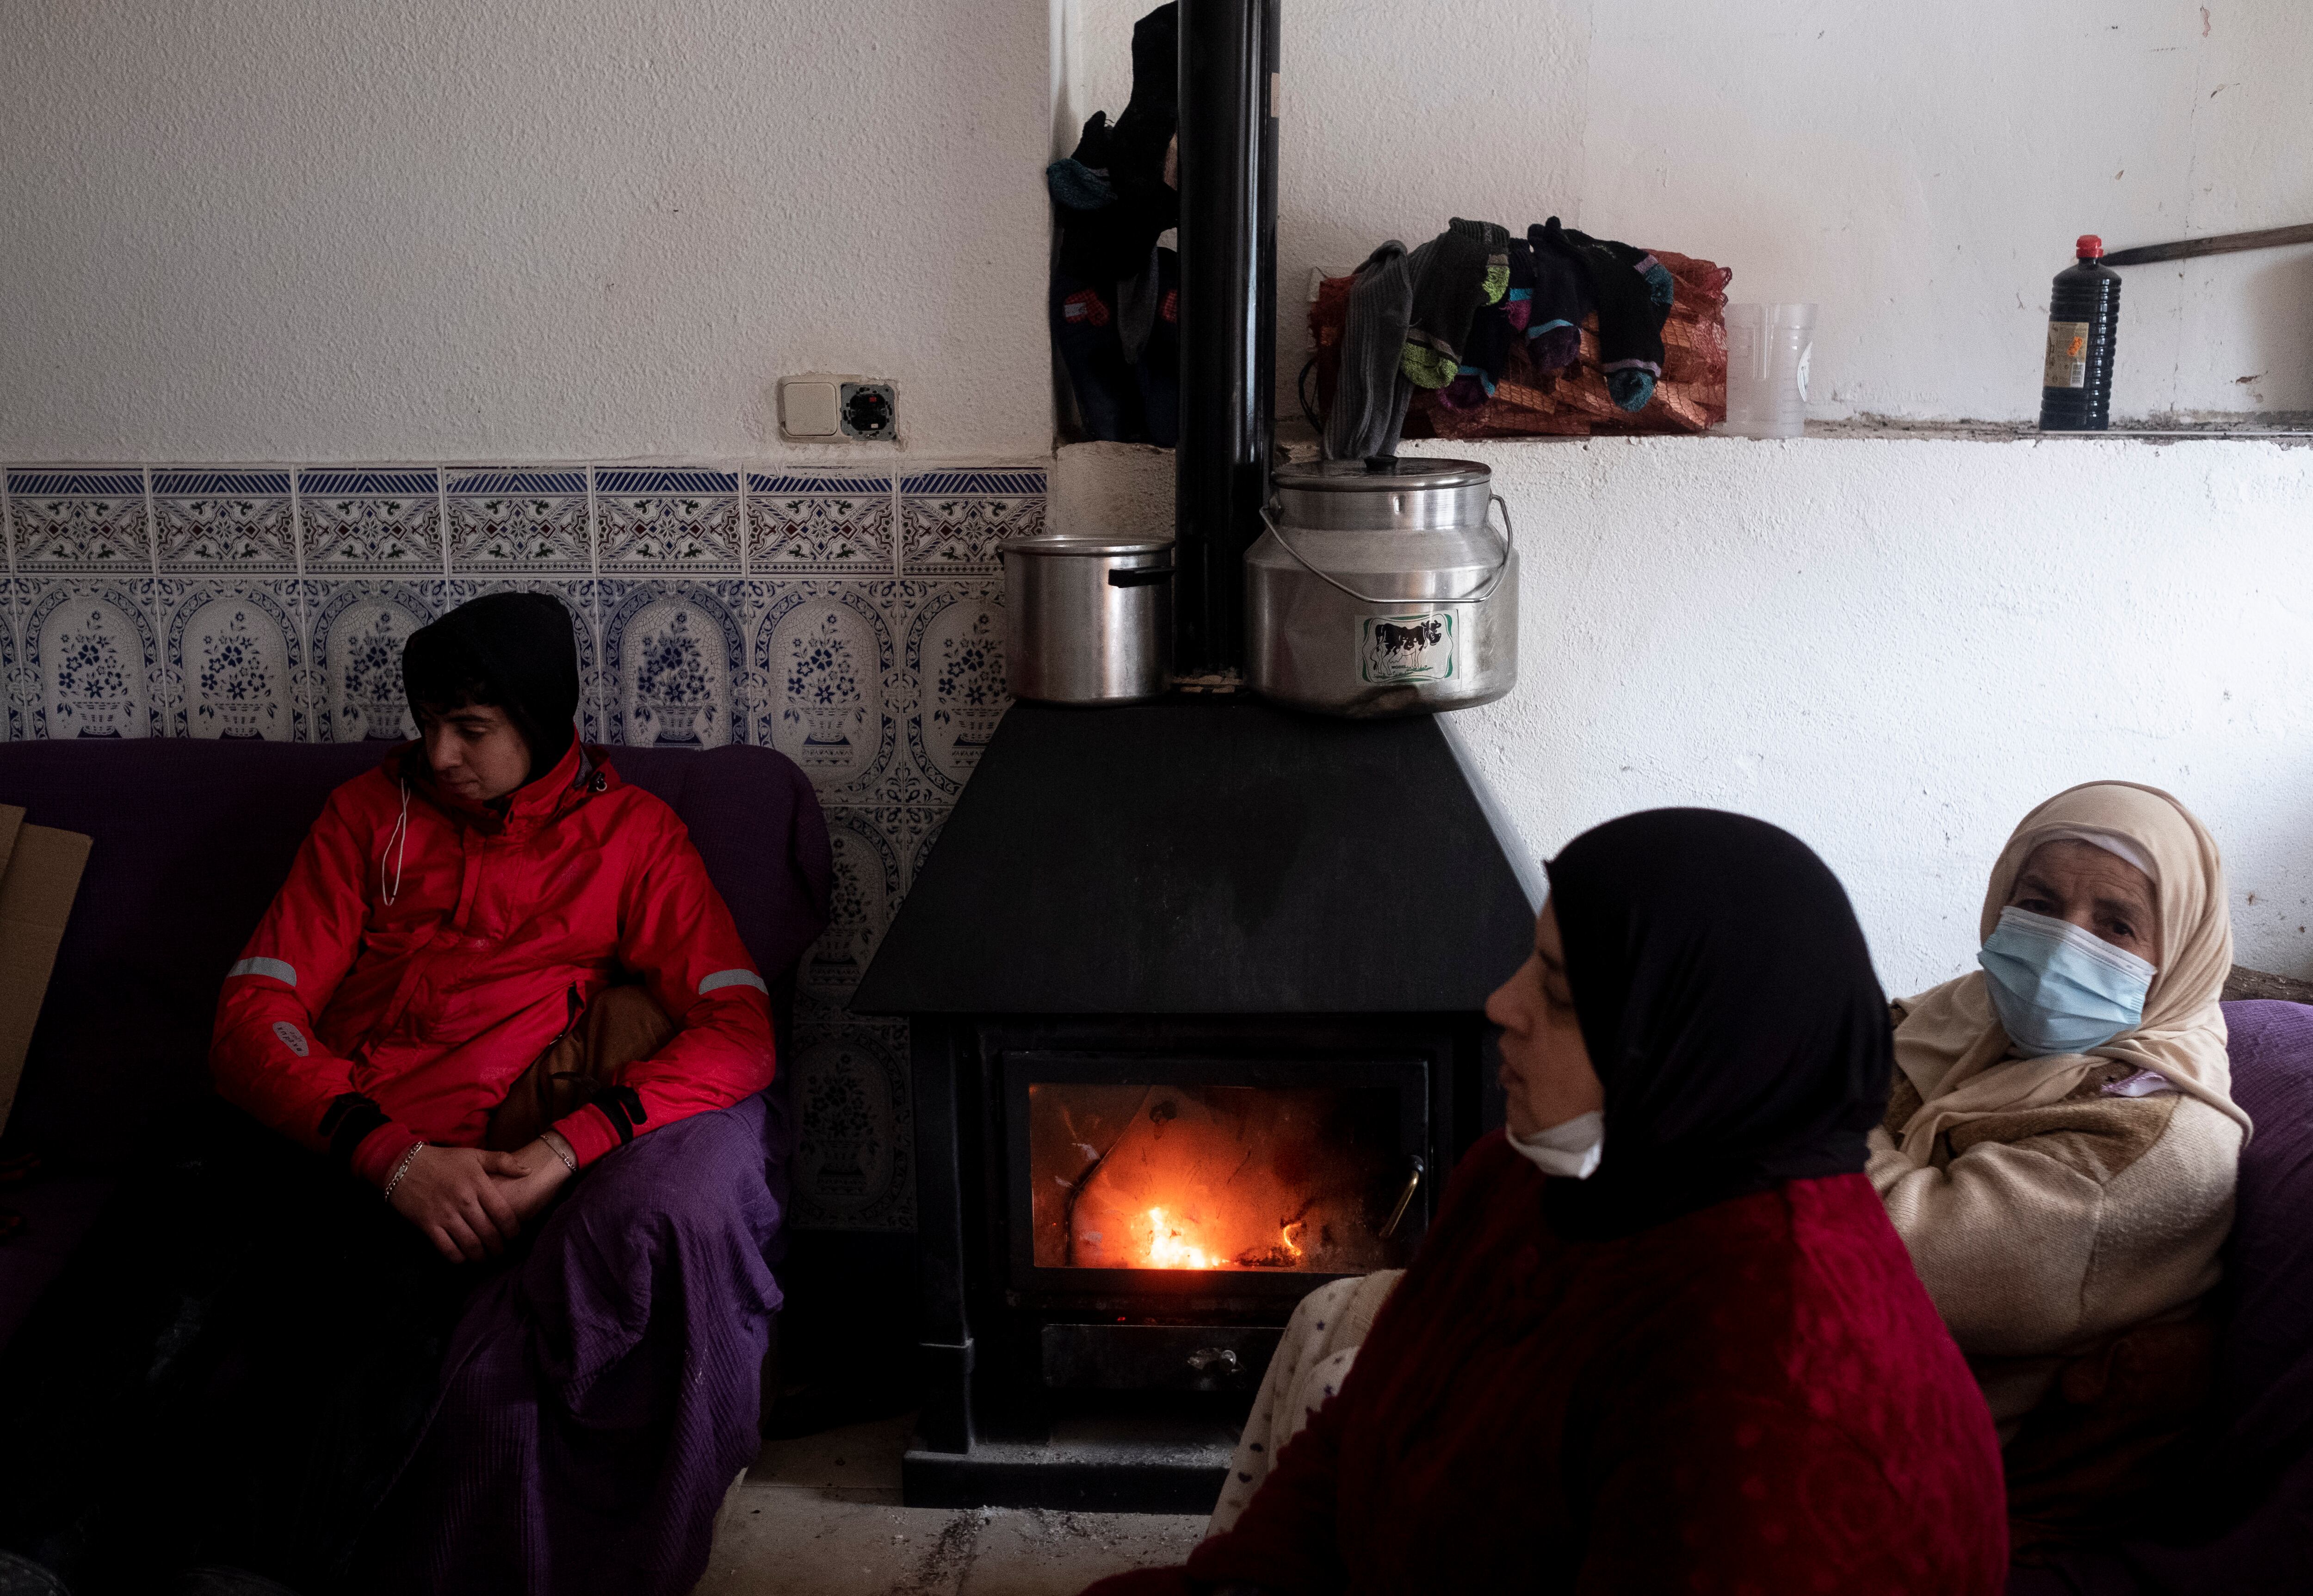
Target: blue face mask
2058,988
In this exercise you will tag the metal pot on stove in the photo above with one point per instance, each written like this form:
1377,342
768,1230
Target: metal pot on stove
1088,620
1382,587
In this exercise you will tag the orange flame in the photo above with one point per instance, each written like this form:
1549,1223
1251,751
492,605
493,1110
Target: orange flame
1285,1234
1167,1250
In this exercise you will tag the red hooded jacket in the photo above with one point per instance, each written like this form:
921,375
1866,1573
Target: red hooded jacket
425,951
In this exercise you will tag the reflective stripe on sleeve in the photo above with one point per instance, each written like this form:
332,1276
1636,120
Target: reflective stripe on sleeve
280,970
733,977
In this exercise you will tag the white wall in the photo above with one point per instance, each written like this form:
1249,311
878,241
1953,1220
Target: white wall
549,229
1919,170
1895,648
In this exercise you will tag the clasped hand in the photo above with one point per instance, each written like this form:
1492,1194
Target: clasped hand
471,1202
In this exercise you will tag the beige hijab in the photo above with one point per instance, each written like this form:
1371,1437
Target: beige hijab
1950,1045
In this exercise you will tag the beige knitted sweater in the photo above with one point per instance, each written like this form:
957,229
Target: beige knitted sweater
2042,1231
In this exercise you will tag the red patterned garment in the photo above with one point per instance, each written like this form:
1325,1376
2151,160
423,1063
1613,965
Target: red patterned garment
1755,1397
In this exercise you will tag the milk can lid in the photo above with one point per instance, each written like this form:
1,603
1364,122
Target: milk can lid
1383,473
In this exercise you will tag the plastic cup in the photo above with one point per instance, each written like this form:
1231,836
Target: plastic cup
1768,348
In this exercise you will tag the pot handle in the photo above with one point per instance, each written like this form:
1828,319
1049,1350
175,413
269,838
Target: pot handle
1478,597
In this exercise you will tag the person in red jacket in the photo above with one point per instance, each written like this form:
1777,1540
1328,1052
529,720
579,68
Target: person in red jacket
1662,1338
457,912
492,964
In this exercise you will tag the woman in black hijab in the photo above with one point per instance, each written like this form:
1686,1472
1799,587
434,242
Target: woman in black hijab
1661,1338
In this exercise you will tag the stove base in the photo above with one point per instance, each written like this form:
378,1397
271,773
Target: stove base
1089,1466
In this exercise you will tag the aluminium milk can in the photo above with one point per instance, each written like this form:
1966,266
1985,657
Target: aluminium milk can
1380,587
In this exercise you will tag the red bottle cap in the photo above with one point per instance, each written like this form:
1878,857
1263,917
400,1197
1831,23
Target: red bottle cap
2091,248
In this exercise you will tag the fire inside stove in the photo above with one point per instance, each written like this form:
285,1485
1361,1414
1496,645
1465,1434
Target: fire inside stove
1142,1175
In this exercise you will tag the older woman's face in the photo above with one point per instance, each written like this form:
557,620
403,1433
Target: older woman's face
2098,891
1546,1069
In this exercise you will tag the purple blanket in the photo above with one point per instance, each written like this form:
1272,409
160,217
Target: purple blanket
599,1398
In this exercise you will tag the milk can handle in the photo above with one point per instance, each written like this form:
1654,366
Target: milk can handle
1479,597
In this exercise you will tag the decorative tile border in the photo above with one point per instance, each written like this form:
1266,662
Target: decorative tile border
538,520
835,524
668,521
954,519
91,521
848,617
225,521
380,522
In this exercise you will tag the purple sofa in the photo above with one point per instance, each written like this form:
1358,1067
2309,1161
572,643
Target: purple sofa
191,839
2242,1523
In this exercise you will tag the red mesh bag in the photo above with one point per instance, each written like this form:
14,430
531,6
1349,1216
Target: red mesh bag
1690,395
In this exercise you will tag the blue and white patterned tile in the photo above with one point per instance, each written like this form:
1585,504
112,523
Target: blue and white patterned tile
577,595
923,826
80,521
952,650
213,520
668,521
952,520
531,519
372,522
825,523
868,884
854,1154
675,663
354,632
91,665
232,658
826,665
13,682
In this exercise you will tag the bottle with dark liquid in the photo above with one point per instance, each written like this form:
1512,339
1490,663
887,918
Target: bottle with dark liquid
2083,316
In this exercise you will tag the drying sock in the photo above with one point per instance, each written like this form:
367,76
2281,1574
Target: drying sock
1077,187
1449,284
1634,291
1498,260
1369,401
1518,299
1488,352
1561,299
1136,308
1084,331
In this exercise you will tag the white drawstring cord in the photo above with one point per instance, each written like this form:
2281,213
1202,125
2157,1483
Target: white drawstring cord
397,843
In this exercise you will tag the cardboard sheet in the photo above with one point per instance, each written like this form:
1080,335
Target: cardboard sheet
37,888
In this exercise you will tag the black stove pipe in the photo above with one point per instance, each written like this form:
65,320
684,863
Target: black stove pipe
1229,319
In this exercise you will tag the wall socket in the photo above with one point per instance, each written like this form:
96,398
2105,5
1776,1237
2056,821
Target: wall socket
817,408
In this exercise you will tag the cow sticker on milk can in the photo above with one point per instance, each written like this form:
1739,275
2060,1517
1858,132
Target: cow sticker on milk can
1400,648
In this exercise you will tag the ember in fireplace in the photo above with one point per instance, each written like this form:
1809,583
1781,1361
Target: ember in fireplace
1216,1175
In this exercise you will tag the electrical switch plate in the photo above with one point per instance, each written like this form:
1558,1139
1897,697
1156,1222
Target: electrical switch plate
809,407
823,408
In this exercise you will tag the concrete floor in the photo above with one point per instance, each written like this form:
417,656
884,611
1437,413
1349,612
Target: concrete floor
821,1515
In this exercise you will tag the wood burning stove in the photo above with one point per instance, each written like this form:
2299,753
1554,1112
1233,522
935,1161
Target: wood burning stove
1195,987
1195,992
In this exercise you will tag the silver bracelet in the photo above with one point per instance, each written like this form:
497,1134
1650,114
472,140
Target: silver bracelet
407,1159
554,1144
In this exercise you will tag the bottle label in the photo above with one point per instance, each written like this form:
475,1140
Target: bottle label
2068,355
